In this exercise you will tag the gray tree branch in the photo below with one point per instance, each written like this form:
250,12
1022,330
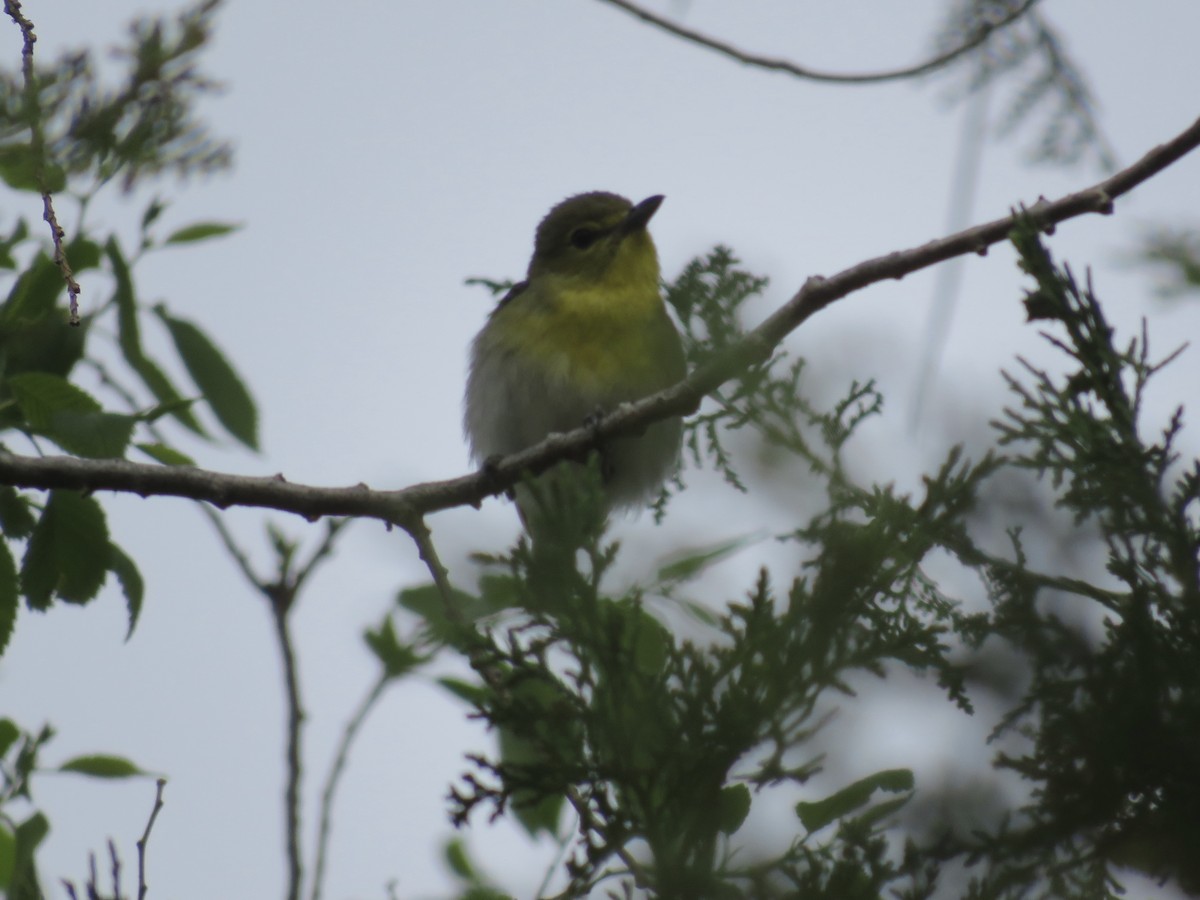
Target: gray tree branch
406,508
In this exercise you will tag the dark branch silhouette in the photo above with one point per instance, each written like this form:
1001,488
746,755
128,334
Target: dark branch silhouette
799,71
407,507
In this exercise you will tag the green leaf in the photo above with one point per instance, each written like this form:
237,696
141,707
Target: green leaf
9,594
102,766
27,758
398,659
225,392
28,835
19,233
83,253
16,518
42,396
881,811
18,169
733,805
9,733
8,856
695,562
474,694
130,340
817,814
68,553
168,456
69,416
35,293
500,592
546,737
200,231
156,412
426,601
458,861
535,814
132,584
153,211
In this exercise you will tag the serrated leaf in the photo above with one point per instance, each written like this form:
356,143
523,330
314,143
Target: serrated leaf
68,554
733,805
100,765
130,340
40,396
70,417
815,815
94,435
224,390
200,231
168,456
132,585
9,595
16,517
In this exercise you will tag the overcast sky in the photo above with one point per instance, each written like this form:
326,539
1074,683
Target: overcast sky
388,151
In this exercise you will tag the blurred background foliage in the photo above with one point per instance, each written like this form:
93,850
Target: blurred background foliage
639,728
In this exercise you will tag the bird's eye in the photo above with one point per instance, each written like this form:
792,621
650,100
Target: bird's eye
582,238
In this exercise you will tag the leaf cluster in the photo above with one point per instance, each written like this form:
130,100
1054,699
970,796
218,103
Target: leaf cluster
23,827
657,742
1111,721
69,128
1050,85
64,122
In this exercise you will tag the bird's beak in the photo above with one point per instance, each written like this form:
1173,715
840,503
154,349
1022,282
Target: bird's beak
638,217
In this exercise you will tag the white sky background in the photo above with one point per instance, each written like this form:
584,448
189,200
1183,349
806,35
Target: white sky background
387,151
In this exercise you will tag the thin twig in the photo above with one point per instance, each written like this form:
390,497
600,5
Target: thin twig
422,537
240,559
281,596
588,823
476,647
115,869
405,507
810,74
145,838
332,529
334,778
37,148
281,604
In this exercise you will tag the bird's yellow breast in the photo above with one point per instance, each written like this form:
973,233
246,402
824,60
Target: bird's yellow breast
602,335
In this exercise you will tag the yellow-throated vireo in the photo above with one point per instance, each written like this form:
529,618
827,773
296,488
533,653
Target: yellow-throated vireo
584,332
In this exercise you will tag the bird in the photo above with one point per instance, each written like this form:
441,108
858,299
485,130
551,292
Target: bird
585,331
